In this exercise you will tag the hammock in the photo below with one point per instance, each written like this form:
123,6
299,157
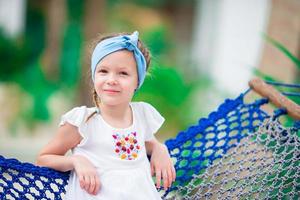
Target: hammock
264,165
193,151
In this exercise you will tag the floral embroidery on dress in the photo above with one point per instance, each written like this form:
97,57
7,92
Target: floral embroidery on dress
126,145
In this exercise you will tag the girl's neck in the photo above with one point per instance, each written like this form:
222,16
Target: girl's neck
117,113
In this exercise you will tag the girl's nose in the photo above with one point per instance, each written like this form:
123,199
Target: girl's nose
112,80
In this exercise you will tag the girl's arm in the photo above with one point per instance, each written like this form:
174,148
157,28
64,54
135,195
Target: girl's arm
161,163
53,156
151,144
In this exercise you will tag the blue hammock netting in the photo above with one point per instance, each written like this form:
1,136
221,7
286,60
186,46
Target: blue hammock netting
194,152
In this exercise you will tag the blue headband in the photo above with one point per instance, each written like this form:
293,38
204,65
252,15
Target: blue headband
113,44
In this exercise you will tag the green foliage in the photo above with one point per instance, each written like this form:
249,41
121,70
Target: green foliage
70,58
35,34
151,3
70,62
12,58
39,88
288,121
264,76
284,50
16,55
20,60
166,89
75,10
157,40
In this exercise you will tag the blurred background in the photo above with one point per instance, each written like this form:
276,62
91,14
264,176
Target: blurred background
203,52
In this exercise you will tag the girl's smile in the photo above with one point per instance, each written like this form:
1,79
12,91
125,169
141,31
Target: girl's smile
110,91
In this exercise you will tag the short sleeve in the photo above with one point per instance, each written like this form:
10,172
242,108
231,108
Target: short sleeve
75,117
153,120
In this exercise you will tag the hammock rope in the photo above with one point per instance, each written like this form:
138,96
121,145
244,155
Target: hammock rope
264,165
195,149
192,151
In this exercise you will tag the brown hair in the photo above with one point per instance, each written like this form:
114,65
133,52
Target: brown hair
100,38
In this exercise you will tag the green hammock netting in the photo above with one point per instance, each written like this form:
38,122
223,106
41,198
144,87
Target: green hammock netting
196,153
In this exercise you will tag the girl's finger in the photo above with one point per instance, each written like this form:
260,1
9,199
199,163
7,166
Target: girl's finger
158,177
86,183
97,186
173,173
170,176
165,178
92,184
152,169
81,181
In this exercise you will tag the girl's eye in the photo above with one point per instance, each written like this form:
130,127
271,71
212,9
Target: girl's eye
123,73
102,71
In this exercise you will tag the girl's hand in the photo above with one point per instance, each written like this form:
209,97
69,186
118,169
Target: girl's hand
162,166
88,177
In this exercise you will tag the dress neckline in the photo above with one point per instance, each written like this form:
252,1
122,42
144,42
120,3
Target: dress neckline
120,129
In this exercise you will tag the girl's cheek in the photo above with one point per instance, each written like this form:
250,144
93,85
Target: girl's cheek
99,80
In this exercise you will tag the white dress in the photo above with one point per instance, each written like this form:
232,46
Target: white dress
119,155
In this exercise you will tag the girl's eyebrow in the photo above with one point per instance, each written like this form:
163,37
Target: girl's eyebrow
102,66
123,68
118,68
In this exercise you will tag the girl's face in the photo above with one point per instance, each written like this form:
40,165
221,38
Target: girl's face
116,78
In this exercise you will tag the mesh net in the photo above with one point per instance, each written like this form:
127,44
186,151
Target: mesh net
264,165
26,181
196,148
195,153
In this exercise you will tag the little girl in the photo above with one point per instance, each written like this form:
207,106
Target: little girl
110,142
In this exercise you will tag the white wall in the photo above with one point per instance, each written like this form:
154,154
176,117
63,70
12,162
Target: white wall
228,40
12,16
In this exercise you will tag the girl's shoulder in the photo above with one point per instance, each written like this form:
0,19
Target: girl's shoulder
143,106
83,108
151,118
81,111
146,110
78,115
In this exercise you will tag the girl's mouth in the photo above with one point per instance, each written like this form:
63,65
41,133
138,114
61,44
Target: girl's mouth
111,91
